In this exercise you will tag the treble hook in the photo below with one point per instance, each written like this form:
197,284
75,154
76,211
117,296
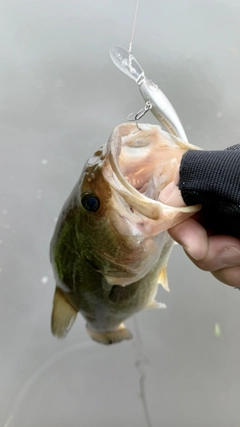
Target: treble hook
140,113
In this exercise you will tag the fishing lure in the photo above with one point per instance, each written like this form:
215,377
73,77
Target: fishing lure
155,99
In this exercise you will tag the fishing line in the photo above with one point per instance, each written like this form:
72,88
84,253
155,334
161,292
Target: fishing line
140,361
148,104
133,27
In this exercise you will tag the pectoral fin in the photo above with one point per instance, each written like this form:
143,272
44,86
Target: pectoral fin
119,294
155,304
163,279
63,314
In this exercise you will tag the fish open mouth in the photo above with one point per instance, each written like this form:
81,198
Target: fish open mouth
143,159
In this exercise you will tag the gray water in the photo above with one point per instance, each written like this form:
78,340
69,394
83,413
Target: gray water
60,99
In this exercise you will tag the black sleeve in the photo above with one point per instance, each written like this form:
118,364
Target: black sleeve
212,178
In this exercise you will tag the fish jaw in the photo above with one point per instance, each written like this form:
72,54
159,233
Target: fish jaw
137,170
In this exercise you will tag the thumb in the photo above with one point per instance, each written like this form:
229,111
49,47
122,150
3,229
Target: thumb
171,195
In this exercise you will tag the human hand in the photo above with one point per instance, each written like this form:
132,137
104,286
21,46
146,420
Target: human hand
219,254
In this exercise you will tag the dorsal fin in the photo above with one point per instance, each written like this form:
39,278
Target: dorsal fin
63,314
163,279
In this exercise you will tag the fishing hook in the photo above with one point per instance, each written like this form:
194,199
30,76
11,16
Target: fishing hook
140,113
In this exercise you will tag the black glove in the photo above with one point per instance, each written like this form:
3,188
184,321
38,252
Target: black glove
212,178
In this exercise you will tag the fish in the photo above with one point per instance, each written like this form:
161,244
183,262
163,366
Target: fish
110,246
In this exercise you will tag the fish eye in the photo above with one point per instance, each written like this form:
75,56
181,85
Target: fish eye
90,202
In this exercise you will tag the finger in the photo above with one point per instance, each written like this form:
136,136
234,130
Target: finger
171,195
223,252
192,236
230,276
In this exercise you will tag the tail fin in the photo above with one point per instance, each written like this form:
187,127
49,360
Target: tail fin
110,337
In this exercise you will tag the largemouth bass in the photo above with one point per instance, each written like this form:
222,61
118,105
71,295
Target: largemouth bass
110,247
